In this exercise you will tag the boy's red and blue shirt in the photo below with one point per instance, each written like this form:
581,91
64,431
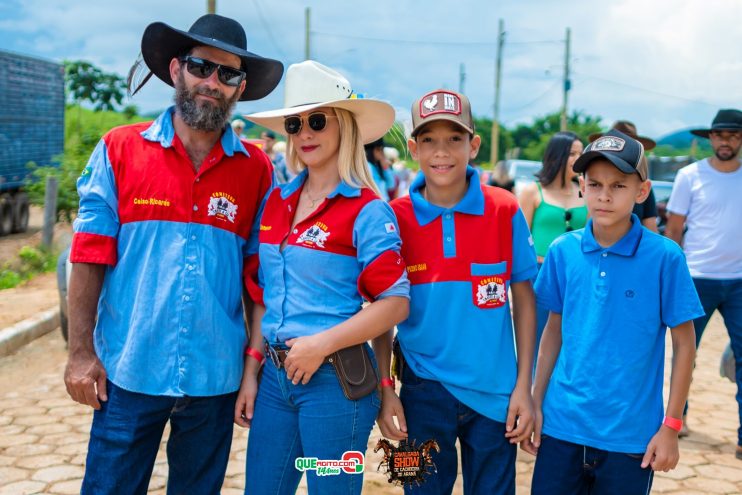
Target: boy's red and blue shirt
175,242
460,263
346,251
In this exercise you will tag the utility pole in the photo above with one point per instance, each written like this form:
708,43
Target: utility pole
462,77
498,66
211,6
307,14
567,82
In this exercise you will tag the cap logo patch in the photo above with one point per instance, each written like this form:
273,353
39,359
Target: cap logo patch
608,143
440,102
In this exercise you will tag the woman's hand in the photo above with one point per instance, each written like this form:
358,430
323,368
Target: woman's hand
245,405
305,356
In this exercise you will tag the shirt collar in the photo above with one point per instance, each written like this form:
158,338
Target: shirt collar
626,246
472,203
163,131
343,188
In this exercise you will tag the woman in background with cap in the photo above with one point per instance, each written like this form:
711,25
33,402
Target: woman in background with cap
327,242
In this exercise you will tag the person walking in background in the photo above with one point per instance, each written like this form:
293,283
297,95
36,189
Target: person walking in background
167,220
647,210
552,205
381,169
501,177
238,127
706,199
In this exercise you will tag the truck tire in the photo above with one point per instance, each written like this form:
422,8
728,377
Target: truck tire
20,213
6,214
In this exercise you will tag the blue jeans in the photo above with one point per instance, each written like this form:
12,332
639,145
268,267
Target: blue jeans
126,435
726,296
565,468
487,457
312,420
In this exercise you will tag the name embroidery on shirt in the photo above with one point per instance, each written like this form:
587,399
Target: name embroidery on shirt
316,235
491,292
151,201
222,206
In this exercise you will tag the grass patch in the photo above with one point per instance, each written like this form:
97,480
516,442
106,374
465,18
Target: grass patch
31,261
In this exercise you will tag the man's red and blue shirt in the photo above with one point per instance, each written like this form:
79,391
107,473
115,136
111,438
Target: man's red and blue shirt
170,319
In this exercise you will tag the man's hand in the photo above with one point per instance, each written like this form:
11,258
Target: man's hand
520,409
532,443
85,379
662,452
391,406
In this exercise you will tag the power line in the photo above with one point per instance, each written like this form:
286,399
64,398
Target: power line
660,93
429,42
266,26
541,96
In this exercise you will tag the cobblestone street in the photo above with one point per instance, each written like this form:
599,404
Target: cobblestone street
44,434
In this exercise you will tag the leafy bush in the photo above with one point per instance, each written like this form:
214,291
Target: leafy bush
30,262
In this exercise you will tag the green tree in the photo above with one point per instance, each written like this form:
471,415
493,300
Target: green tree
86,82
531,139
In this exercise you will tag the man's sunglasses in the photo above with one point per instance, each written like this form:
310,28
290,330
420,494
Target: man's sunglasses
203,68
317,122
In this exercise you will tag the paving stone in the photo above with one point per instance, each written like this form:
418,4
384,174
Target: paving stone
661,484
13,440
71,487
6,460
17,412
5,420
28,449
721,472
710,485
9,474
40,461
681,472
157,483
55,474
26,487
78,460
73,448
10,430
65,438
72,410
49,429
36,419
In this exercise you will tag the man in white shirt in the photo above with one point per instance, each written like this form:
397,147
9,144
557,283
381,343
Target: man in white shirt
707,199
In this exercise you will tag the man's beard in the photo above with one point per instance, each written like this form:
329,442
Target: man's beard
205,116
726,153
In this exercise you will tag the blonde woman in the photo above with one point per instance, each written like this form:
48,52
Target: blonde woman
327,242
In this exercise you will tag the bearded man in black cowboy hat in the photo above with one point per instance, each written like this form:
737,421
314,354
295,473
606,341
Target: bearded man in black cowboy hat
166,227
707,199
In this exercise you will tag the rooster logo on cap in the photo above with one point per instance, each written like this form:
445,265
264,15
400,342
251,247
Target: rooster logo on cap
431,103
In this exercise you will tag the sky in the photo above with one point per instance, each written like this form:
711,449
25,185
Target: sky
663,64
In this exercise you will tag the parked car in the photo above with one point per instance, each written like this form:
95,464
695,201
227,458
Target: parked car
662,190
64,268
523,172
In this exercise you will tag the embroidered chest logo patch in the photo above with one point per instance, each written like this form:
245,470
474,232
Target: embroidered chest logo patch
490,292
222,206
316,235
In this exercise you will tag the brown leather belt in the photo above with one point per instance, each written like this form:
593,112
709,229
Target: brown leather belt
278,356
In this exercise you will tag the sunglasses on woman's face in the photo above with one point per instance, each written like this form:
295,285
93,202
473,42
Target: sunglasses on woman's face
317,122
202,68
567,220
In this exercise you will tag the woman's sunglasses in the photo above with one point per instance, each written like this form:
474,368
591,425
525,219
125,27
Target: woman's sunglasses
317,122
567,221
203,68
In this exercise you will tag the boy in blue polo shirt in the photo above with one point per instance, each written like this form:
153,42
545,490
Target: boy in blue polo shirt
465,245
612,290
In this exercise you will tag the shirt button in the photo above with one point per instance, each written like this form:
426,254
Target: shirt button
448,239
195,208
186,298
296,231
447,216
184,330
605,255
602,274
193,237
191,267
198,179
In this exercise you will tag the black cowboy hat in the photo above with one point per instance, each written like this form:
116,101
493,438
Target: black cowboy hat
161,43
726,120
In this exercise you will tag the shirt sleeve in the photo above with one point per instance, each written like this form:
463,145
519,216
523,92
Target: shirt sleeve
97,224
679,299
524,255
549,285
377,242
679,202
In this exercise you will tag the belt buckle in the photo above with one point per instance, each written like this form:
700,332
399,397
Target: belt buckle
273,355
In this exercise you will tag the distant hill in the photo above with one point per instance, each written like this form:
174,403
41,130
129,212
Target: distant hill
683,139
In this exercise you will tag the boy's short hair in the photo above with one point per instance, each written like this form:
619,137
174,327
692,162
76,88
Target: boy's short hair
442,104
621,150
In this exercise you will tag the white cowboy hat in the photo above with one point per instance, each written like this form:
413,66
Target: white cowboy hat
310,85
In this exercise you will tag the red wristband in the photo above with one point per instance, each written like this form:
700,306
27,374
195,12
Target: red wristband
673,423
255,354
387,382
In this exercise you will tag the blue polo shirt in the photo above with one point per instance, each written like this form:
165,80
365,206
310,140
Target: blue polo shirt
616,304
460,264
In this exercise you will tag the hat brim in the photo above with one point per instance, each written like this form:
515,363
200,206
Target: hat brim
161,43
648,143
704,133
586,158
374,117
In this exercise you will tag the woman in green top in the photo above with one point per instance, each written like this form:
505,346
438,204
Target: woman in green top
552,205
